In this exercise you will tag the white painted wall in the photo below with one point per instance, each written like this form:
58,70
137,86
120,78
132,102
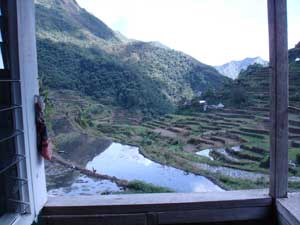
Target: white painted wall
29,88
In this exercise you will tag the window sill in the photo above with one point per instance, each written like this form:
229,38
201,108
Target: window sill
289,209
9,218
172,208
16,219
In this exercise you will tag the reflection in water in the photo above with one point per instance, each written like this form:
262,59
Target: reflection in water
205,153
125,162
85,186
236,148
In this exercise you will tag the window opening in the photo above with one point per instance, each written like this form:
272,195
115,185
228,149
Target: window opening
140,110
14,198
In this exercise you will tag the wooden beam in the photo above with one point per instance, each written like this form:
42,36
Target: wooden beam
137,203
121,219
212,216
278,45
172,208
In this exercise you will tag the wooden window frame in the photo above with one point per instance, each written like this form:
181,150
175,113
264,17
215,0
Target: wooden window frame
174,208
23,61
208,207
278,51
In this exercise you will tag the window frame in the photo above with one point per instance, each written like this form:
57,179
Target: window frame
176,203
175,208
278,51
14,108
23,62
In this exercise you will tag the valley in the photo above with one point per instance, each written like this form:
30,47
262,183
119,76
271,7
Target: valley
235,141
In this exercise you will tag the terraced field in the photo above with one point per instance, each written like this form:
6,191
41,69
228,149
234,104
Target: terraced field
229,146
236,138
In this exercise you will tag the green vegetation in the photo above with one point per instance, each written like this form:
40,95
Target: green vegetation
103,78
294,186
76,51
137,186
101,87
232,94
170,148
243,184
174,139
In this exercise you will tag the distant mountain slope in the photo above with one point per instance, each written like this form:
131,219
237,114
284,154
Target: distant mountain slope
254,83
79,52
257,80
58,17
233,68
180,74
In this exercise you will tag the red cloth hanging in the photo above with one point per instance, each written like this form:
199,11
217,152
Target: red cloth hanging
43,142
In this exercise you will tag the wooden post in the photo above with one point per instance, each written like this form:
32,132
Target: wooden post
278,45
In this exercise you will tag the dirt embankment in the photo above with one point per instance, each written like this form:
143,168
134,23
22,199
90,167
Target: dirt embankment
58,159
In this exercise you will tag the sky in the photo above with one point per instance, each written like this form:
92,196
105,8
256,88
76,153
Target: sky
213,31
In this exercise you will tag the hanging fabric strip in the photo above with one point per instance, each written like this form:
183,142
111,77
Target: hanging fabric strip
43,142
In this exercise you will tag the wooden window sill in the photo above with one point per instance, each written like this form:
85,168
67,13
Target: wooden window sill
174,208
289,209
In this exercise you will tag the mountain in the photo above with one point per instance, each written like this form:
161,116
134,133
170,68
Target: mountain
78,52
233,68
159,45
257,80
252,86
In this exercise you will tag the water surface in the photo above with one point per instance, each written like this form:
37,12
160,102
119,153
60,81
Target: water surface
205,153
84,185
125,162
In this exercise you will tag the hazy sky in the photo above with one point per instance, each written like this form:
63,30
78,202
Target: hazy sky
213,31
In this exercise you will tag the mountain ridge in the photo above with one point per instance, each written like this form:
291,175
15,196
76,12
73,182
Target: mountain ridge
77,51
234,67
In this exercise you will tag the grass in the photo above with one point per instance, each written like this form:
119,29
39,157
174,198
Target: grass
293,153
242,184
294,185
137,186
257,142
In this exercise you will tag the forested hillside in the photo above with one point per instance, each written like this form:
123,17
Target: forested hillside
252,87
79,52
